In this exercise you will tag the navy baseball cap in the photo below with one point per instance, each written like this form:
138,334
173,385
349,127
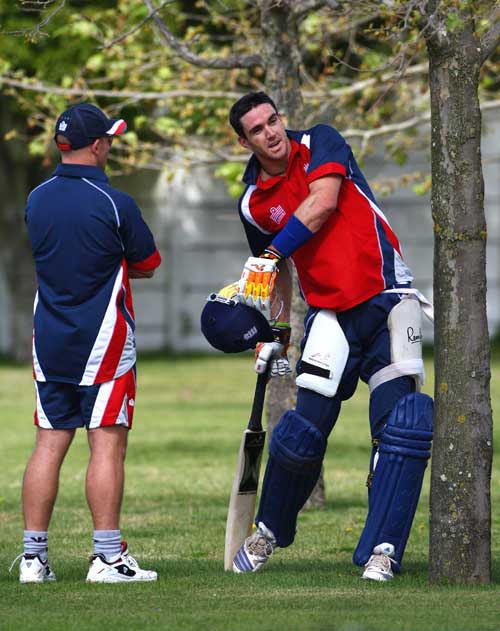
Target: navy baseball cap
232,327
83,123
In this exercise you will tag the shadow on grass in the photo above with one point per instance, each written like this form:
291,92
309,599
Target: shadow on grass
308,572
314,573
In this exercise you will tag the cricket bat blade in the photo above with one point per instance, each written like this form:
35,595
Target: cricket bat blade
243,494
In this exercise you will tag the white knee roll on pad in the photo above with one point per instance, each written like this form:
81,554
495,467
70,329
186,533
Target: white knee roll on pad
405,330
325,355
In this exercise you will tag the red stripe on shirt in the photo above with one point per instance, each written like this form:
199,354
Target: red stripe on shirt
329,168
111,358
151,263
129,304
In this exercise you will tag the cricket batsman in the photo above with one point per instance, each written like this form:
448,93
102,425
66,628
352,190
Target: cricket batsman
307,201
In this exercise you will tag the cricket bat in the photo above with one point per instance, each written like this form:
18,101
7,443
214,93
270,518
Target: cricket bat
243,497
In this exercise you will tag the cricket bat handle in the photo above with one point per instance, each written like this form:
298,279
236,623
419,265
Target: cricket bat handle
255,422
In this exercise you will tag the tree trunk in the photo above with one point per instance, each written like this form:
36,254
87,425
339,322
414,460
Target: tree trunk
462,452
19,174
282,61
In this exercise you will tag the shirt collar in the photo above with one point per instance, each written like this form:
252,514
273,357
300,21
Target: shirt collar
81,170
252,171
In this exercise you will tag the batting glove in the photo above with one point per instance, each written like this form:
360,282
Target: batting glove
229,291
257,280
274,352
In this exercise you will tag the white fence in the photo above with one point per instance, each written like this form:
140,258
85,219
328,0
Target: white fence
200,237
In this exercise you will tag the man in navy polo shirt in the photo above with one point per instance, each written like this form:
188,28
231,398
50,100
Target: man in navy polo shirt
88,240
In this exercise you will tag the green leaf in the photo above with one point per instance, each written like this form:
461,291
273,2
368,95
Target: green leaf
130,138
140,121
84,29
232,172
95,62
422,188
37,147
164,72
454,22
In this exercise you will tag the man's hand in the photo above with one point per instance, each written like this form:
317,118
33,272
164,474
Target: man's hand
274,352
256,284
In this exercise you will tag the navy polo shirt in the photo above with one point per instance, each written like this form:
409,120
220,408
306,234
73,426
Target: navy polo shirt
85,235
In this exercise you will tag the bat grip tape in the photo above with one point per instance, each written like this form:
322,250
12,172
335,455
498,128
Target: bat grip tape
255,422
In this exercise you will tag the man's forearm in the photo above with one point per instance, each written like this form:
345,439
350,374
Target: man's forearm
320,203
309,217
135,273
284,283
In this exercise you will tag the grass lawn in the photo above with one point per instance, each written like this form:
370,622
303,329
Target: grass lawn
188,422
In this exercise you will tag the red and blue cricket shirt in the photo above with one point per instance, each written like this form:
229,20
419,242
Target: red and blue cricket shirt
355,254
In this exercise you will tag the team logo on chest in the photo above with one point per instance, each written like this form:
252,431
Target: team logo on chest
277,213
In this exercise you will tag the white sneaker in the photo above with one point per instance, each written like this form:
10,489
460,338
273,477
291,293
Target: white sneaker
379,566
125,569
255,551
33,570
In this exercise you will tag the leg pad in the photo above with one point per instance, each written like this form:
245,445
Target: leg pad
295,457
404,450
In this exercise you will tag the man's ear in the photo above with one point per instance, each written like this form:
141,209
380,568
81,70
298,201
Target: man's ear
243,142
94,147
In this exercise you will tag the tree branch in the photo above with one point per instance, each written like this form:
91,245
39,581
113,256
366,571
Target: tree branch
341,8
366,135
491,39
388,129
136,28
418,69
36,30
232,61
303,7
37,86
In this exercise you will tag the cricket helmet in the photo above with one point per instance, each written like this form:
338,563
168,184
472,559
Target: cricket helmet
232,327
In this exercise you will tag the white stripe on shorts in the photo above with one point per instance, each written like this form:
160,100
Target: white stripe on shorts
43,421
101,402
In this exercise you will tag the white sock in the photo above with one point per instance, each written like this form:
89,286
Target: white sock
107,543
36,542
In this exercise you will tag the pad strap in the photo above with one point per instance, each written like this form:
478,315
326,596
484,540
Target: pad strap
404,368
311,369
427,307
404,323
